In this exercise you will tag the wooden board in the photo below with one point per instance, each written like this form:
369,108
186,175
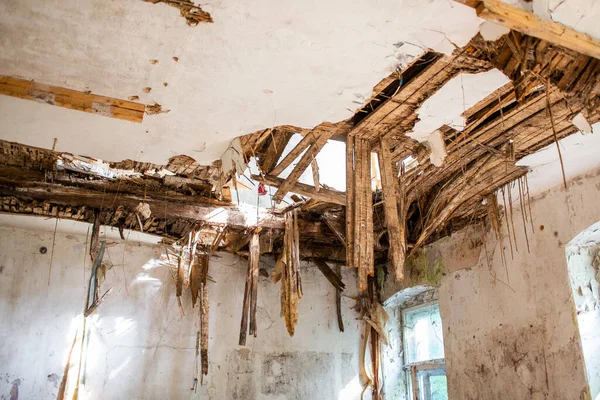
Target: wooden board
530,24
72,99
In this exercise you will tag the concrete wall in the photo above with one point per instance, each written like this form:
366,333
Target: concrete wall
138,344
510,330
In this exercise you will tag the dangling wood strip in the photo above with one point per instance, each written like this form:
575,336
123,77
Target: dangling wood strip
369,213
289,264
338,299
331,276
512,255
95,235
375,359
245,306
493,212
549,108
195,272
315,173
350,201
487,258
180,273
253,261
512,221
204,264
523,213
529,204
389,184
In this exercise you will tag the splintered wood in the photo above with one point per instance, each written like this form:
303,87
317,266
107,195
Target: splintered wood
287,269
359,209
251,289
189,267
203,261
392,198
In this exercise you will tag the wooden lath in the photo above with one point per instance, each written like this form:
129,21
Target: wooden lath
72,99
326,195
311,145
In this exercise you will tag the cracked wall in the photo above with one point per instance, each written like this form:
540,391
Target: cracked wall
141,346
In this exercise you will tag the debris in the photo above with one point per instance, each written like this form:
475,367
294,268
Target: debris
134,98
435,143
153,109
165,84
191,12
176,59
233,159
143,209
582,124
147,89
378,318
153,62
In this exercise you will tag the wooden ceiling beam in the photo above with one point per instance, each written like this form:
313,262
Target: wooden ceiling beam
526,22
326,195
72,99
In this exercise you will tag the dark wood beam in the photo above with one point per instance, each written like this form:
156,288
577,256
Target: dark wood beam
326,195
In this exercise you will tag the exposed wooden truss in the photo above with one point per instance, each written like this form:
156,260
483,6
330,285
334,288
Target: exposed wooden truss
419,201
72,99
501,129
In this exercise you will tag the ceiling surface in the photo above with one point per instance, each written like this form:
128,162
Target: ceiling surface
260,64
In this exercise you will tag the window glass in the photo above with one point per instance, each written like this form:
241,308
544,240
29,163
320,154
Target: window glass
423,334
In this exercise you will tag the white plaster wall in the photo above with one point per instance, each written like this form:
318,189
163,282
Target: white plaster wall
139,346
511,331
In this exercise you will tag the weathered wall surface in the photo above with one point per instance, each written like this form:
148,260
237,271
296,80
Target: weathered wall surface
510,330
140,346
583,258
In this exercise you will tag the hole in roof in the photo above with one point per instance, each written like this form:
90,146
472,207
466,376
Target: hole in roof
331,161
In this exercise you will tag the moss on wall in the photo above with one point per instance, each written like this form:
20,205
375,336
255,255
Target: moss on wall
424,271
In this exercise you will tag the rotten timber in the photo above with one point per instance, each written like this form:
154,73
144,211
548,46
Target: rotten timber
526,22
250,291
72,99
391,199
326,195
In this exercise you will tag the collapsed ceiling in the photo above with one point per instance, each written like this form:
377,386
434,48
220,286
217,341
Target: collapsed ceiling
443,141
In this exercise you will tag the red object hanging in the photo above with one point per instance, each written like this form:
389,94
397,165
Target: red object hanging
262,190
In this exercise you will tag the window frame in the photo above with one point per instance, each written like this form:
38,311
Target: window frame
413,369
